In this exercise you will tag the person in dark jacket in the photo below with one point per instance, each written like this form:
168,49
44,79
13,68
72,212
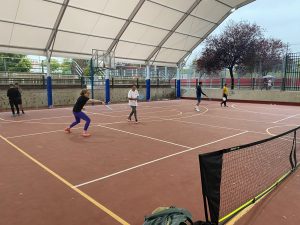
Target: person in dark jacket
19,100
13,95
199,92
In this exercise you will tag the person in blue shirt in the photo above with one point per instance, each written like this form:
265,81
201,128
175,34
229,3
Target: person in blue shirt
199,92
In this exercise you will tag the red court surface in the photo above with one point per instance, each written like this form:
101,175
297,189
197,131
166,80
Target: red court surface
126,170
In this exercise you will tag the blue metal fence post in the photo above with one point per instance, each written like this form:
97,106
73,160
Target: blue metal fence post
148,83
49,92
178,90
107,87
49,83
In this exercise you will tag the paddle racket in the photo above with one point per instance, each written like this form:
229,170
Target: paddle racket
107,106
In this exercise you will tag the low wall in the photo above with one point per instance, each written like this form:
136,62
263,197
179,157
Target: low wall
37,98
255,96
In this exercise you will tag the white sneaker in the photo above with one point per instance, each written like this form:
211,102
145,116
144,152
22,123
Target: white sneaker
197,109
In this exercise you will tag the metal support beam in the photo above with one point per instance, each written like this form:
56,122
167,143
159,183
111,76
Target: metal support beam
53,34
123,29
182,19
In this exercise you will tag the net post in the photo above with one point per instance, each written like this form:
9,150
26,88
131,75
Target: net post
295,148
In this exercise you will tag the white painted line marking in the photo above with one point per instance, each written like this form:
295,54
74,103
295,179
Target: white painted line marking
244,110
107,106
144,136
159,159
286,118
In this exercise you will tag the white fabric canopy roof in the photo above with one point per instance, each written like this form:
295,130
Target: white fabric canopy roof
161,31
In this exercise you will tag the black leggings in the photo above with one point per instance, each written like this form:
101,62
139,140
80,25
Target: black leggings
224,102
133,111
14,103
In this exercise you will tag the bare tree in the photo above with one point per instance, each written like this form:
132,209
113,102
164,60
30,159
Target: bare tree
270,53
240,44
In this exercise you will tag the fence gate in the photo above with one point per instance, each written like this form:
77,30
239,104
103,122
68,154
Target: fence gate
292,72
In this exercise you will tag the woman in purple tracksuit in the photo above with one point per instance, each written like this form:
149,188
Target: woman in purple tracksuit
78,114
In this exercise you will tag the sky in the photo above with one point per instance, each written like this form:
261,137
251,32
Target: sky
280,19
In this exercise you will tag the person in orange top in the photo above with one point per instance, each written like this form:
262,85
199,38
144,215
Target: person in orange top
225,94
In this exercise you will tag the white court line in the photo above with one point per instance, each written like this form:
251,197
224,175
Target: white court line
147,106
61,130
144,136
140,108
225,117
208,125
45,118
36,110
214,126
268,129
232,118
180,113
286,118
282,138
46,132
105,114
244,110
184,117
53,131
156,160
26,135
126,115
158,119
273,107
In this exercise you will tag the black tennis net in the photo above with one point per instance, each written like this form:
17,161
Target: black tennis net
234,178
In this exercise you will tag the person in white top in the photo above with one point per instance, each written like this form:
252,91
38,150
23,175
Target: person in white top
269,84
133,95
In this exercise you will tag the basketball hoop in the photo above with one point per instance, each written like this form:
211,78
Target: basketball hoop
103,60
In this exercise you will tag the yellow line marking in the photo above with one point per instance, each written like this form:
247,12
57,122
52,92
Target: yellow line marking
86,196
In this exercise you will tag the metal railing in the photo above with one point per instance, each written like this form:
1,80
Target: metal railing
288,84
30,80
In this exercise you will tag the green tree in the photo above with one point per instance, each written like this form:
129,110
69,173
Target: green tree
86,71
54,66
240,45
24,65
66,66
14,63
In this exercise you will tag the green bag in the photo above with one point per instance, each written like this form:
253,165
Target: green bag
169,216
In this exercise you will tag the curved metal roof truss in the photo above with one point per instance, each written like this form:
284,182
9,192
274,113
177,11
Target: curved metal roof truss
163,32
